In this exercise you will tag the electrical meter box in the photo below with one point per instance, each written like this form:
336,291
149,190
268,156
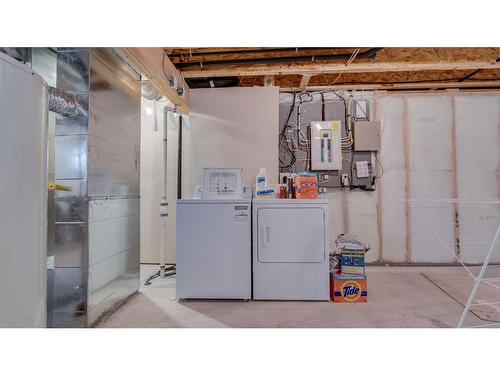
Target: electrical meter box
326,151
222,183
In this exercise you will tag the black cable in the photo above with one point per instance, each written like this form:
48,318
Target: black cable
345,114
169,271
361,187
282,141
345,106
322,107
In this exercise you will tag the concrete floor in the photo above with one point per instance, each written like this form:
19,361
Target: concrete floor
397,297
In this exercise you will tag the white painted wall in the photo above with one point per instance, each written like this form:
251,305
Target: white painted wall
234,127
226,128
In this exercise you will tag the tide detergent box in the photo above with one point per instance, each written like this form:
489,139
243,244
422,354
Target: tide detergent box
348,288
352,261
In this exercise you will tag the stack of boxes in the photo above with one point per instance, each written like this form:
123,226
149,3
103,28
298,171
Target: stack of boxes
350,285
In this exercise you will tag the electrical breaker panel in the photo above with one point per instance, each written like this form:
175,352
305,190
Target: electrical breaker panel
326,151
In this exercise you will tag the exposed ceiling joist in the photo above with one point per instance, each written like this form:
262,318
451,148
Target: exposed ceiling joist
402,86
312,69
157,68
304,81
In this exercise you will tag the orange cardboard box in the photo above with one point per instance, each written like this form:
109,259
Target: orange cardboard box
306,187
348,288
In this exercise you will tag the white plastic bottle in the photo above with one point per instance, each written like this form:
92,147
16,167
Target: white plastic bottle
262,186
262,180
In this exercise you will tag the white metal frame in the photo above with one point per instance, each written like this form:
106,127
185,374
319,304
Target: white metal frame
478,280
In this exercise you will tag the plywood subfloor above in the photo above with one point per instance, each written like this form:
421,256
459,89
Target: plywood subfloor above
364,68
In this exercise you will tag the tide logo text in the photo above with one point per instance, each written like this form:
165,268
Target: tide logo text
351,291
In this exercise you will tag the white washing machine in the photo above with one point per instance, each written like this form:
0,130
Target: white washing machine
214,249
290,249
214,235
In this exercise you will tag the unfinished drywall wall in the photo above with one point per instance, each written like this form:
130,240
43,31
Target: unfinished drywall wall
429,138
390,110
234,127
435,147
477,122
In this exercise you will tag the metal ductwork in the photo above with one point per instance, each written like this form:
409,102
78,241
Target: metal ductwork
20,54
198,83
149,91
97,159
65,104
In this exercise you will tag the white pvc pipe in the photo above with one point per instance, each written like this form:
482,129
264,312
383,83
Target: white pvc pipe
164,202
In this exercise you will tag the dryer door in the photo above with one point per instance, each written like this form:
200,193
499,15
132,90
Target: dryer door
291,235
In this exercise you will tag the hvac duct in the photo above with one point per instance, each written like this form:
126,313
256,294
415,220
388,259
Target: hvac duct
23,196
65,103
96,245
149,91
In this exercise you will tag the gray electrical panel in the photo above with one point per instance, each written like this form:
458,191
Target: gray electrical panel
366,135
334,110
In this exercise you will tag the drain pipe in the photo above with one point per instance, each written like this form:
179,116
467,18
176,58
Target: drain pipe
164,201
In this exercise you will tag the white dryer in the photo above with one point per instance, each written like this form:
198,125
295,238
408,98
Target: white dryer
290,249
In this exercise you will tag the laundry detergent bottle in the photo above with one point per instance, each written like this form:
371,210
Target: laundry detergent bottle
262,188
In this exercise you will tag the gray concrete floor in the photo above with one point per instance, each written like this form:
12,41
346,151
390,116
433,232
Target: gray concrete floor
397,297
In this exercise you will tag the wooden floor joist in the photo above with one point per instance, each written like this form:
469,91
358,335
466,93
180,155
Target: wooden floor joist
402,86
313,69
317,68
384,60
304,81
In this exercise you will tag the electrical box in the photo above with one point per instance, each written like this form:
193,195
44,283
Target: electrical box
361,110
222,183
366,135
326,151
362,169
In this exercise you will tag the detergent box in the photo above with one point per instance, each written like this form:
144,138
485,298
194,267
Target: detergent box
306,185
348,288
352,261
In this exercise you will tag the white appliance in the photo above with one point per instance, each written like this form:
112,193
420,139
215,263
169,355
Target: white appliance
213,249
23,196
214,236
290,249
